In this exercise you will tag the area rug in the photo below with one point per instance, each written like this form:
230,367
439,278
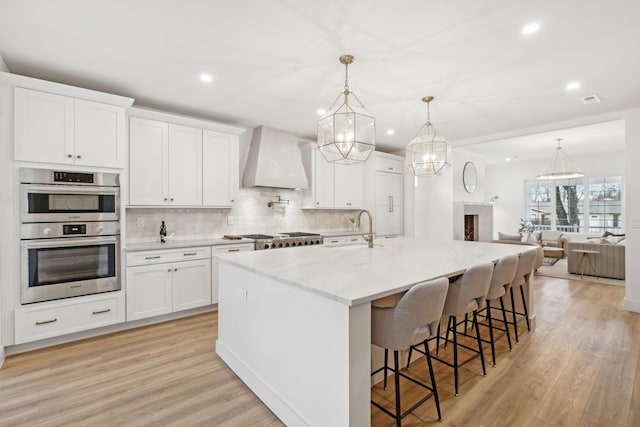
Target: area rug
559,270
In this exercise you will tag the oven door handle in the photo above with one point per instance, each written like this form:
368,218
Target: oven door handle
66,242
68,189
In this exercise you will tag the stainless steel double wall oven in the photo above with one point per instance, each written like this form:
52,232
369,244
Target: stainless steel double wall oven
70,234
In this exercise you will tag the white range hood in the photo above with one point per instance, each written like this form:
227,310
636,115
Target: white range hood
275,160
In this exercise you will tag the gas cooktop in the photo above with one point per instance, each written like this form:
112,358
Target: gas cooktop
285,240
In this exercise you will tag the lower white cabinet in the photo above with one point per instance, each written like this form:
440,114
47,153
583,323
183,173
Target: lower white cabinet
50,319
165,281
214,264
351,239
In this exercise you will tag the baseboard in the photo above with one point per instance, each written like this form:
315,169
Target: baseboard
632,305
268,396
2,356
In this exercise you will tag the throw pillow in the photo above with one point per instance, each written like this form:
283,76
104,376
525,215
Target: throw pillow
514,237
607,234
614,240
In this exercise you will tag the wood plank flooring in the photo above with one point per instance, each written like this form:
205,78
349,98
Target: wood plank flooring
579,367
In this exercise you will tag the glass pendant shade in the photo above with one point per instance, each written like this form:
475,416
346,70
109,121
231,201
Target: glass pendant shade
346,134
560,166
427,153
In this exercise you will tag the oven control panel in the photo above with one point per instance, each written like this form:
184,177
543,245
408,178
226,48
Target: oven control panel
52,230
85,178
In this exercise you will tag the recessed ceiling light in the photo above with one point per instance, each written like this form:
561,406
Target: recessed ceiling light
207,78
531,28
572,86
321,112
390,131
507,159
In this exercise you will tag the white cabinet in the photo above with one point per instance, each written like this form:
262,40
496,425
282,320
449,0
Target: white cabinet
165,164
165,281
332,186
45,320
351,239
240,247
52,128
389,182
176,165
220,168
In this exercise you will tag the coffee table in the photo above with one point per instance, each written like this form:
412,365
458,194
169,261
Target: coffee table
552,254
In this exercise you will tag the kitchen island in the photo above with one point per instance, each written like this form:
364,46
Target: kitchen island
294,324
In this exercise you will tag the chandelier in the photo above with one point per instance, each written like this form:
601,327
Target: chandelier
427,151
560,166
347,133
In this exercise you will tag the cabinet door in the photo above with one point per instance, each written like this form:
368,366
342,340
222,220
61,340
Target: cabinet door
43,127
219,168
388,215
191,284
349,186
99,134
149,291
185,165
148,162
323,182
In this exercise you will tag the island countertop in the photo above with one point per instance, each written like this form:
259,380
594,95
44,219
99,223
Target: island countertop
355,274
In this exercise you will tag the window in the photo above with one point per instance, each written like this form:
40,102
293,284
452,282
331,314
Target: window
590,205
605,204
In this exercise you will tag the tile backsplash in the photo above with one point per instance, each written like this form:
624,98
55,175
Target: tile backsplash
250,215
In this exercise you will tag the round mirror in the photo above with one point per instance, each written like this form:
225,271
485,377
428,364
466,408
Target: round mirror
469,177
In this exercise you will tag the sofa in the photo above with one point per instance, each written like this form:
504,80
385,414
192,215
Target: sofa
608,262
540,252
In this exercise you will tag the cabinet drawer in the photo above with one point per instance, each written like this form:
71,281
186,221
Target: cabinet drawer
384,164
232,248
354,239
167,255
334,241
50,320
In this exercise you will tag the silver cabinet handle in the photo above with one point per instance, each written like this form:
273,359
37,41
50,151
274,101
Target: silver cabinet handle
390,204
78,156
190,253
234,250
171,199
175,269
169,270
166,199
44,322
152,257
101,311
70,156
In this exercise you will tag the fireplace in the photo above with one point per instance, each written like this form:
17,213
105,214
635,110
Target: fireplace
471,228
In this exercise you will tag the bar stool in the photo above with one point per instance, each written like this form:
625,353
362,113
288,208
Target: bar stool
414,319
503,274
466,294
526,263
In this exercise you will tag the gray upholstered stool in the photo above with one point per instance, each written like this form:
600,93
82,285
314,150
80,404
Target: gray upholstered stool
466,295
503,274
526,263
414,319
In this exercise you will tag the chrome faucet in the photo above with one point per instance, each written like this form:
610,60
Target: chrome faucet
368,238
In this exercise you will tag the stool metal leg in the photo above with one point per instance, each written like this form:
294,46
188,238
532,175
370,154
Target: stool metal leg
493,347
513,313
524,305
506,323
386,358
397,381
475,322
433,380
455,353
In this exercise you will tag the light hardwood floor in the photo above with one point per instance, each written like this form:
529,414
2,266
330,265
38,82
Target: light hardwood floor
579,367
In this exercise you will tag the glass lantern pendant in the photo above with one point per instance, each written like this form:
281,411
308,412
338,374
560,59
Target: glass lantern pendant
347,133
427,153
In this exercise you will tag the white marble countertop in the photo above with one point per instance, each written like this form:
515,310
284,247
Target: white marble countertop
355,274
174,244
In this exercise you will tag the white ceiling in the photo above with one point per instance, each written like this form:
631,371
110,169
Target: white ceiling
275,62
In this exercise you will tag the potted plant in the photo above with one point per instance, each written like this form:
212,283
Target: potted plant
526,228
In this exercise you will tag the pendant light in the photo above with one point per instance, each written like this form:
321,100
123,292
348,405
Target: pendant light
427,152
346,134
560,166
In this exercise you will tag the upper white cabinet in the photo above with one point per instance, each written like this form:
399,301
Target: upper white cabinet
51,128
389,182
177,165
220,168
332,186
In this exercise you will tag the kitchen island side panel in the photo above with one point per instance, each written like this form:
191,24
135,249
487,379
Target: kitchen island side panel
305,356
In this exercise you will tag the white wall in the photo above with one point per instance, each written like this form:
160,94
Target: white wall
632,210
506,180
3,66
